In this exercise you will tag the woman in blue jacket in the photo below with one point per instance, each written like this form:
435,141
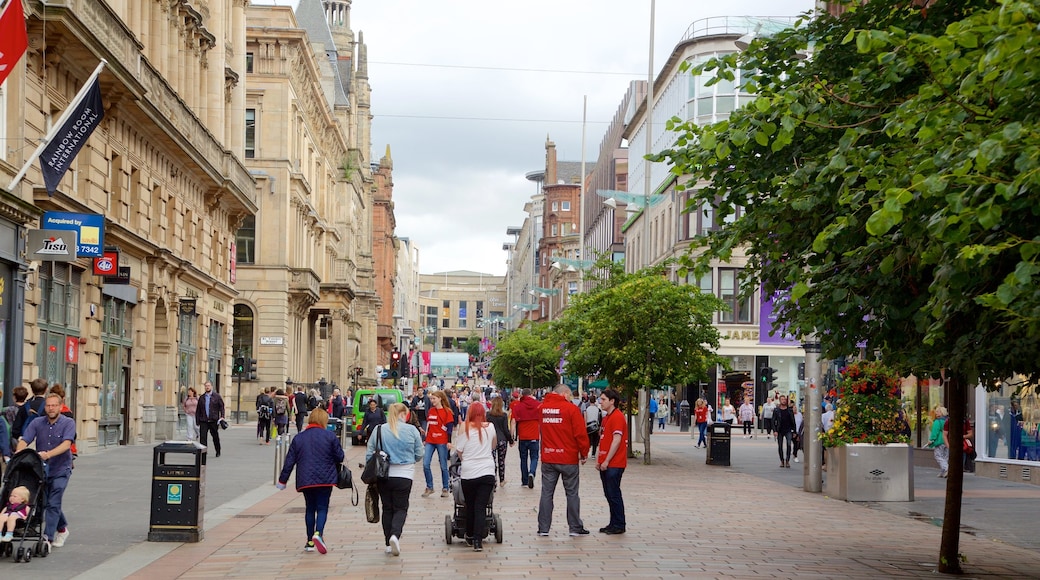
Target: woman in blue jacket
404,445
316,454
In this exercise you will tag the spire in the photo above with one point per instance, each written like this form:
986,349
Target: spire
362,64
387,161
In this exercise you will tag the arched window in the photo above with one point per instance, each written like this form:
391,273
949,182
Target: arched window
242,344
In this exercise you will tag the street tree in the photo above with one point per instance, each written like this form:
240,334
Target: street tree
639,331
526,358
472,345
889,185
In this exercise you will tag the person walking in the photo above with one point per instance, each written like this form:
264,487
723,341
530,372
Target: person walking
729,414
798,432
374,416
499,417
337,405
651,414
438,417
32,408
53,437
784,429
264,412
315,453
593,419
747,418
526,415
404,446
191,407
282,407
565,444
662,417
701,414
938,443
767,415
612,459
420,403
475,444
300,407
210,411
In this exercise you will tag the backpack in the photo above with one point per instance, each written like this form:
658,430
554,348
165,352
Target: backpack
281,406
312,402
263,412
33,413
592,427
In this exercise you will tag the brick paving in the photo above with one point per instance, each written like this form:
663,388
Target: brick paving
685,519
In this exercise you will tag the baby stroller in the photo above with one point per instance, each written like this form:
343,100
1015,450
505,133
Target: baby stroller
26,469
455,524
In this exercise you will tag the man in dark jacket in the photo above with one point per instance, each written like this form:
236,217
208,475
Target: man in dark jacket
32,408
208,414
301,406
337,405
784,428
374,416
419,404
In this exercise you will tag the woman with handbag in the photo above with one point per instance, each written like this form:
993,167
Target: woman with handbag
401,441
475,444
316,454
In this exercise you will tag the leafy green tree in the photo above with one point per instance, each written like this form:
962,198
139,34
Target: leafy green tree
639,331
526,358
472,345
890,183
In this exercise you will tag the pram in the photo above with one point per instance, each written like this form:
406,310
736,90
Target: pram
26,469
455,524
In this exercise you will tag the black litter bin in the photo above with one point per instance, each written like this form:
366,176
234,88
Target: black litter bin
684,416
718,444
178,486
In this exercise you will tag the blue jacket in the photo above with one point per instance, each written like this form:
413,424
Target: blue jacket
316,455
404,449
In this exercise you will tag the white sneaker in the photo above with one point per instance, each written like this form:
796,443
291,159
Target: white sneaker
59,538
796,460
395,546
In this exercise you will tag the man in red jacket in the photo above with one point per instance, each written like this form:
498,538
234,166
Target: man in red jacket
527,414
565,443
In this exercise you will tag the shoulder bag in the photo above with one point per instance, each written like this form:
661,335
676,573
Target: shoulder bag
372,505
377,468
345,480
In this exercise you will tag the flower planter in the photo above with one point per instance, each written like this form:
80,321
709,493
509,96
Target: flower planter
866,472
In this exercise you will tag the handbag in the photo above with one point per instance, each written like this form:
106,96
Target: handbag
345,480
372,505
223,423
377,468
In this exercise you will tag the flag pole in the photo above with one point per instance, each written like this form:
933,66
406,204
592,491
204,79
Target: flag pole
55,127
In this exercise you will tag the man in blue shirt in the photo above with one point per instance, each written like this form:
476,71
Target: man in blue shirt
53,439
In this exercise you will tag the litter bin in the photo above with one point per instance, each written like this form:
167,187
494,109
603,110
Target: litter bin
684,416
178,485
718,444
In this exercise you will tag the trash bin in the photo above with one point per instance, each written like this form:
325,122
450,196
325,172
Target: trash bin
178,485
718,444
684,416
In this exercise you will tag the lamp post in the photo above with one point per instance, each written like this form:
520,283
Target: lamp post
813,480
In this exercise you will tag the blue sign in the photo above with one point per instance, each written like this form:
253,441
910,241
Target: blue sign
174,493
90,228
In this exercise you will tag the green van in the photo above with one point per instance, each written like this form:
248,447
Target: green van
356,414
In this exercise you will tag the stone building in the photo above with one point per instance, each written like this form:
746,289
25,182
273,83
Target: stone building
164,171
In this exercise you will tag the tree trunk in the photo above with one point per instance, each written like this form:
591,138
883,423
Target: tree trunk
644,422
949,547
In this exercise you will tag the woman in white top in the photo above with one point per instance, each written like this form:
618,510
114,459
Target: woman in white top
729,414
475,444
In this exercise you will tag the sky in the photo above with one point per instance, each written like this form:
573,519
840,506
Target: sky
465,93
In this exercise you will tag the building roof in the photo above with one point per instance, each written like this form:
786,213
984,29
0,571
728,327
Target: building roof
310,15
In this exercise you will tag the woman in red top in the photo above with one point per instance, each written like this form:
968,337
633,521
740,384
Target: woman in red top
700,417
437,420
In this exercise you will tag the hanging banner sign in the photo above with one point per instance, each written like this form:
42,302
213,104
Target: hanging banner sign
52,245
90,229
107,264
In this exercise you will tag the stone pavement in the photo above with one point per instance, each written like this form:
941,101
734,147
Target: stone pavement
685,519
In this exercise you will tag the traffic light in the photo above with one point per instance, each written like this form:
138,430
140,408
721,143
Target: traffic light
252,369
768,375
395,364
239,366
801,371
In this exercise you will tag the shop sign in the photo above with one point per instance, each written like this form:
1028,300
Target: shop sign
107,264
89,228
122,276
72,349
52,245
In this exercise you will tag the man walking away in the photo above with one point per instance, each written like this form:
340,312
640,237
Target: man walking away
612,459
527,416
207,415
300,404
565,443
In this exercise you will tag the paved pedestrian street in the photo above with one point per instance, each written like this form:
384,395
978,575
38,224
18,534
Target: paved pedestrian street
685,519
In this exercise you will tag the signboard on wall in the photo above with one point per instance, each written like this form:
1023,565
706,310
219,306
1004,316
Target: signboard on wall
72,349
89,228
53,245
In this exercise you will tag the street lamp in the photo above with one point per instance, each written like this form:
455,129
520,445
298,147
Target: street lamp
813,452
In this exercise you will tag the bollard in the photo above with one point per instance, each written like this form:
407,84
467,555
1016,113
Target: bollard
281,449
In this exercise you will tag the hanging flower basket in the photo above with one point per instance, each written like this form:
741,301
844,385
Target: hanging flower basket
868,406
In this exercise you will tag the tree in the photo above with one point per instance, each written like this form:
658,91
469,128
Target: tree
526,358
472,345
889,183
640,330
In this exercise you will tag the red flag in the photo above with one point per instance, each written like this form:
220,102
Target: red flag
13,38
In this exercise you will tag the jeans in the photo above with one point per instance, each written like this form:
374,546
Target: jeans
748,430
393,493
551,473
780,446
54,490
660,423
193,428
300,417
477,493
611,479
528,459
316,510
207,427
702,429
442,457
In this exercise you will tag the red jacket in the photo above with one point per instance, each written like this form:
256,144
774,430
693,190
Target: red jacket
565,439
527,414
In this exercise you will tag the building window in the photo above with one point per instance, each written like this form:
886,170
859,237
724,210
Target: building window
708,104
250,133
242,337
572,287
565,205
59,284
444,322
729,292
186,348
462,313
215,353
555,229
245,241
249,62
431,316
446,311
555,206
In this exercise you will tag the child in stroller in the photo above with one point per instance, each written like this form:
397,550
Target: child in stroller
25,472
455,524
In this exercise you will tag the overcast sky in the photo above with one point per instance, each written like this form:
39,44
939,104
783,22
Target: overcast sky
465,93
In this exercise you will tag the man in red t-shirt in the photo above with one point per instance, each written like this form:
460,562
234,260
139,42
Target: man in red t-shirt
526,413
565,443
613,458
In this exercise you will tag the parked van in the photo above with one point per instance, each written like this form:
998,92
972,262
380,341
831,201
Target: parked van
356,414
